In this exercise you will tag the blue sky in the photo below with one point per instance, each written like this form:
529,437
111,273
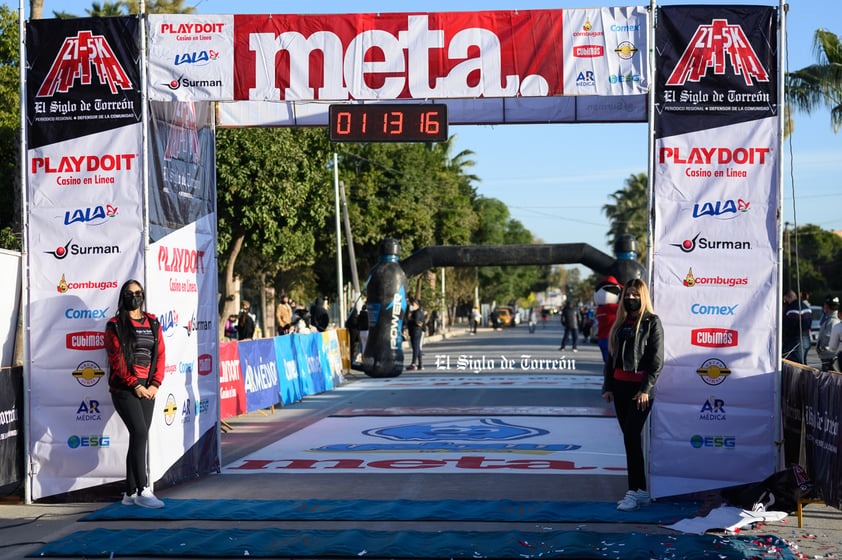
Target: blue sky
556,178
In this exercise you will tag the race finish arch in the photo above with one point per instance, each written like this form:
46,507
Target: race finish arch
120,174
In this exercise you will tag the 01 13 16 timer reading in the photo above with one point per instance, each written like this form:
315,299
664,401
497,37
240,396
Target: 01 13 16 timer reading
392,122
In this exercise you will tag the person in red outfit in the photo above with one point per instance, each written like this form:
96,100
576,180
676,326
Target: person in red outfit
136,356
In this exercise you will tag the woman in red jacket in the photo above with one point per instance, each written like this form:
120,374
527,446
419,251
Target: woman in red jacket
136,356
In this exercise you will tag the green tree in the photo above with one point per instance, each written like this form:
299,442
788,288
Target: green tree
273,195
818,261
9,130
628,214
819,85
504,284
106,9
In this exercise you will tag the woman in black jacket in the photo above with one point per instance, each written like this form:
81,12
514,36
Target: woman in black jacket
635,358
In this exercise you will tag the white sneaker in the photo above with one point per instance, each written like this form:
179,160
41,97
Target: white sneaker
643,498
129,500
148,500
629,502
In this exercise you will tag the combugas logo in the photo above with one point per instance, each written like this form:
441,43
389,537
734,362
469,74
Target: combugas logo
713,371
83,57
719,281
709,48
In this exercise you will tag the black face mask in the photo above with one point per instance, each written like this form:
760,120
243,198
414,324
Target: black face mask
631,305
132,302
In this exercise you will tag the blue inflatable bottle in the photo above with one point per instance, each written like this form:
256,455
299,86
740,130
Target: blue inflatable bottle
386,305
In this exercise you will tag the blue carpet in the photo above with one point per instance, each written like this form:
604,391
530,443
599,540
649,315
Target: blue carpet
214,543
400,510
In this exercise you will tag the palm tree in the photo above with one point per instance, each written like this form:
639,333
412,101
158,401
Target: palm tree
819,84
629,212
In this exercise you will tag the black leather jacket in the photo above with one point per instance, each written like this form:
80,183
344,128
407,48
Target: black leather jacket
646,354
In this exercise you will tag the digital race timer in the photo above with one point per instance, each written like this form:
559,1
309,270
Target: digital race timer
392,122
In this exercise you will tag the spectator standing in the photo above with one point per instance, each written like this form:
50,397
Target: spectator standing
319,317
231,328
606,297
362,324
797,320
245,323
283,316
570,321
136,357
635,359
476,319
417,317
830,318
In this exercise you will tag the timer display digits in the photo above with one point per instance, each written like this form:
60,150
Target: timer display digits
393,122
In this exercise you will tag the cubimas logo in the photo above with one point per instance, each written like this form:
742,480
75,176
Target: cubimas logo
713,371
88,373
713,338
709,48
588,51
83,57
86,340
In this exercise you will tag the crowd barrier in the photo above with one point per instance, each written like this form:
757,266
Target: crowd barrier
811,407
259,374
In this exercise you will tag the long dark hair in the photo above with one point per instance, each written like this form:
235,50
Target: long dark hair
125,329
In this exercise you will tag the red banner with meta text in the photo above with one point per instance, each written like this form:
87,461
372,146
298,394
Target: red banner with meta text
398,56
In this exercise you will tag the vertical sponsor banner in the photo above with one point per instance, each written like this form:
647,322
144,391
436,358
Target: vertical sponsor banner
323,347
182,167
260,373
333,349
181,291
85,238
715,247
290,386
605,51
792,413
232,389
191,57
822,414
11,427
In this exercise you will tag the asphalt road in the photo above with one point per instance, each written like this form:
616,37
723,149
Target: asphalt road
508,371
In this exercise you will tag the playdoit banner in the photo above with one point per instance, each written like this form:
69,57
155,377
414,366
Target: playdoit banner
83,173
715,247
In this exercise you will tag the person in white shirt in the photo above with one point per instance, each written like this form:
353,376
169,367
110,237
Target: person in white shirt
830,317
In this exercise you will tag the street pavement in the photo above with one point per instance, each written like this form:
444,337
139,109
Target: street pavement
25,528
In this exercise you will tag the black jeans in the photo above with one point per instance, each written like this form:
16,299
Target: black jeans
415,336
574,333
631,422
137,416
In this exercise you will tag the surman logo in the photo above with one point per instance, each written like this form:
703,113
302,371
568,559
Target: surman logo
77,59
709,47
